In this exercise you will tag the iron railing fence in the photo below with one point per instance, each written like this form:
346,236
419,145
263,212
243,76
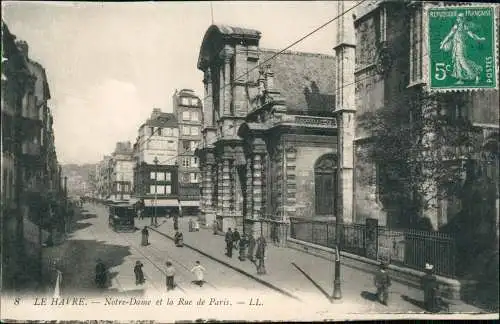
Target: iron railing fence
408,247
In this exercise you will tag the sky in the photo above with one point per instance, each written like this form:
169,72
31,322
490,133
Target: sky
110,64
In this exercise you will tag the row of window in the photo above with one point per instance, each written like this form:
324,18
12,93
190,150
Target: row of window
123,187
189,101
189,162
161,176
190,130
161,145
163,131
190,116
161,190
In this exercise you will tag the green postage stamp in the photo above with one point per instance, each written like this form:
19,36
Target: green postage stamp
462,48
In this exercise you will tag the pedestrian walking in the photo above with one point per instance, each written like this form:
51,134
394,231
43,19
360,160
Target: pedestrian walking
198,271
191,225
145,236
431,289
196,226
243,247
236,238
214,227
170,273
139,274
251,248
382,281
100,274
176,222
179,239
260,254
229,242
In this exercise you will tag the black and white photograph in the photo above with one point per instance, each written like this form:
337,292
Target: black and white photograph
207,161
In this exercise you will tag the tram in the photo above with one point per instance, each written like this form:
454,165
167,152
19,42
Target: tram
121,217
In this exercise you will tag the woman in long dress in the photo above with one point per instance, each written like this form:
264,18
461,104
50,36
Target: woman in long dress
464,69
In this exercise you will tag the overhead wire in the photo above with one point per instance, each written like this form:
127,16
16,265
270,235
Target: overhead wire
149,138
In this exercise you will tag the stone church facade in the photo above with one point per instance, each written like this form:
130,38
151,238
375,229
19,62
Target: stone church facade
269,147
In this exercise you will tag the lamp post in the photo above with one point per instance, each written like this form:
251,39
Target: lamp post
337,292
153,220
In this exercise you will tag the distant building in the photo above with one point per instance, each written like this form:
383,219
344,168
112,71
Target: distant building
155,171
187,108
122,171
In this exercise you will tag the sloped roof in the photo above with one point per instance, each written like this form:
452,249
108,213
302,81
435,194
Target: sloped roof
306,80
162,120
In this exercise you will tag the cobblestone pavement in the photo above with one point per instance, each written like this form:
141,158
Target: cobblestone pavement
309,277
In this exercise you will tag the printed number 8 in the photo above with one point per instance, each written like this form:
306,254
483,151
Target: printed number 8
441,69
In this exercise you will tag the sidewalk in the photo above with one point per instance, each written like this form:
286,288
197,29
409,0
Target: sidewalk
288,270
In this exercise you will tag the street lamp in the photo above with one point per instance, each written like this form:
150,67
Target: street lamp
337,292
156,192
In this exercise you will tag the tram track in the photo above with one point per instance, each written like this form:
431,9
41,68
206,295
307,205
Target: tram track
167,255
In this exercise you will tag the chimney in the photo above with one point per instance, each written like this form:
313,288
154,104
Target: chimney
23,47
156,113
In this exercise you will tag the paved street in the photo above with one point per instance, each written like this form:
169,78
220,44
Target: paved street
92,239
299,274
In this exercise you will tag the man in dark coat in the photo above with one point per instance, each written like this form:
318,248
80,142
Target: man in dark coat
243,247
229,243
382,282
139,274
179,239
145,236
260,254
100,274
431,289
236,238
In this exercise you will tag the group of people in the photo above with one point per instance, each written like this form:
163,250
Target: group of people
429,285
254,250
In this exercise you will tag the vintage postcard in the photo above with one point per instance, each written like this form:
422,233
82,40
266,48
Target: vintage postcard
209,161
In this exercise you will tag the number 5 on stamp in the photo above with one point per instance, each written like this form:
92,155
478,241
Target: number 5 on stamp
462,48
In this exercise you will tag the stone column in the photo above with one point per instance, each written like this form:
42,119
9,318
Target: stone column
227,213
208,195
227,85
249,197
257,191
219,189
208,100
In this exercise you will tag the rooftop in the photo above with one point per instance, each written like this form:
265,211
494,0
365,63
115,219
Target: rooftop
161,119
306,80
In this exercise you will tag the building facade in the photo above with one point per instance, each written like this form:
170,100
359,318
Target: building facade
32,193
269,136
122,171
187,108
155,170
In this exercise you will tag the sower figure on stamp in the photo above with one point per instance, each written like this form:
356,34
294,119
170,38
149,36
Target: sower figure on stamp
229,243
464,68
382,282
139,274
145,236
260,254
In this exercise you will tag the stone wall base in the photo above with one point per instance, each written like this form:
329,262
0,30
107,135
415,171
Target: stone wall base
450,288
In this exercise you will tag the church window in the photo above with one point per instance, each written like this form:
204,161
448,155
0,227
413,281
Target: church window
325,181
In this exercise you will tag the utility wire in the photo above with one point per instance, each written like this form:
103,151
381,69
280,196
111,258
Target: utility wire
277,54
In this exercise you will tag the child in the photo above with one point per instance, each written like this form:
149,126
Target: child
170,273
139,275
198,271
382,282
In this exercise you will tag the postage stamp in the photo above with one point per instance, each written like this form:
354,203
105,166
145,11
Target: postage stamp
462,48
